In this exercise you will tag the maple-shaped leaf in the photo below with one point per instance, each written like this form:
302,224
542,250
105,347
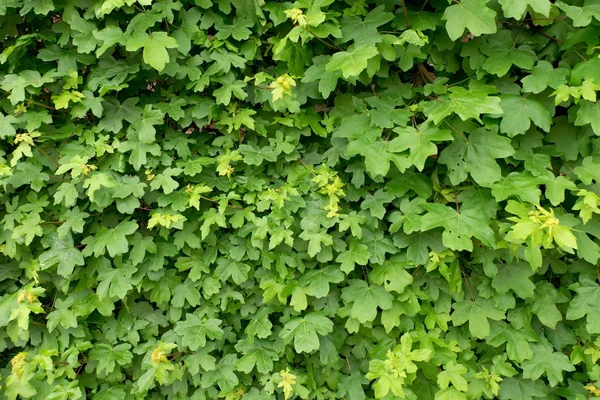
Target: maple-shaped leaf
351,387
392,275
588,114
365,300
62,315
473,15
195,330
517,340
453,373
544,75
6,125
155,47
502,55
318,280
384,112
112,240
520,112
62,252
315,239
257,354
145,126
460,227
544,304
514,277
116,112
375,203
228,268
546,361
109,356
582,16
351,63
115,282
239,30
522,185
419,141
356,253
516,8
138,151
318,72
476,155
522,389
585,304
465,103
477,313
364,31
378,155
304,331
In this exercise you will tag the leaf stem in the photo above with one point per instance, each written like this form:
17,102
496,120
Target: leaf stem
457,131
333,46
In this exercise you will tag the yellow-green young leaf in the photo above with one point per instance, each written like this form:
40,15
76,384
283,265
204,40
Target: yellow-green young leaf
155,47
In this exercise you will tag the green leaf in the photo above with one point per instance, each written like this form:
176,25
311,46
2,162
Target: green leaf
477,313
587,114
460,227
502,55
366,299
544,304
476,155
392,275
318,281
304,331
109,356
543,75
112,240
516,8
62,252
546,361
356,253
581,16
6,126
465,103
195,330
453,373
472,15
420,142
517,340
363,31
351,63
155,47
584,304
521,389
515,277
520,112
255,355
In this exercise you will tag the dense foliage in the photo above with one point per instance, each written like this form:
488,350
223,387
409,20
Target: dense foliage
255,199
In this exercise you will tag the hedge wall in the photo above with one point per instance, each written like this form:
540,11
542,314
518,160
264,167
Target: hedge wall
257,199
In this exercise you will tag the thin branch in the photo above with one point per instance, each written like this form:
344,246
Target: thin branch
405,14
47,156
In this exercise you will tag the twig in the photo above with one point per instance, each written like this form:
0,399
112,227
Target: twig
405,14
465,279
48,157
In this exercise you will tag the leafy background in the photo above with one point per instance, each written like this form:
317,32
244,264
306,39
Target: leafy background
251,199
